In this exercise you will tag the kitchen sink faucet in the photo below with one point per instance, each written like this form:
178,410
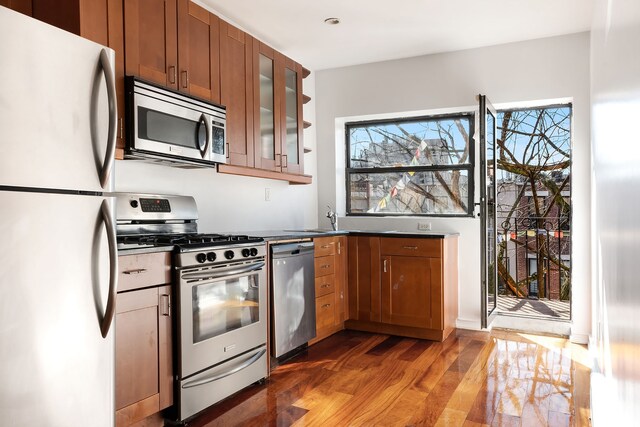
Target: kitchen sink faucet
333,217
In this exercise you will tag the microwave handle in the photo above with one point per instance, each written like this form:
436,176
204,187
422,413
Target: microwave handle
109,156
207,127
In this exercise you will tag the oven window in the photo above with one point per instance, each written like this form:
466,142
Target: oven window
161,127
224,306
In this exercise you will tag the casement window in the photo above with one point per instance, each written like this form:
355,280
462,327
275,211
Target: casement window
419,166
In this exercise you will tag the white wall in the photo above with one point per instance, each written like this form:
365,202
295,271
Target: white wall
531,71
230,202
615,95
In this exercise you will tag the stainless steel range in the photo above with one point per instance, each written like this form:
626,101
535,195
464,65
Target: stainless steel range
221,287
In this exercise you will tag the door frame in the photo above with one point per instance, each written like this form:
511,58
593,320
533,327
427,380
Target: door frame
487,206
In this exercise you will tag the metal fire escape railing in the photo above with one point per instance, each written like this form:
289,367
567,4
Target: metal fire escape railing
534,256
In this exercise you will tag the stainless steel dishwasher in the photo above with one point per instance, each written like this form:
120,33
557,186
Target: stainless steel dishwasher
293,296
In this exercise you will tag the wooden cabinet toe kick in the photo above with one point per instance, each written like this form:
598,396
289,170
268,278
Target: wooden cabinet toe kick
404,331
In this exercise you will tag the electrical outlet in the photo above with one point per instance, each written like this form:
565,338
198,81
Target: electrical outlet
267,194
424,226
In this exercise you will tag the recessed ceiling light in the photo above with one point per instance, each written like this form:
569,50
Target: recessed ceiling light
332,21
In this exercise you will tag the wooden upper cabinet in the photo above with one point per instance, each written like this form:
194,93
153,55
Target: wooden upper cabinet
150,28
198,51
236,93
22,6
278,111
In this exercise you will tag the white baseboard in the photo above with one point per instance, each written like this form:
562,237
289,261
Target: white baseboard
579,338
472,325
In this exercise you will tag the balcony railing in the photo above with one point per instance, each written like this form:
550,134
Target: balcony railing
534,257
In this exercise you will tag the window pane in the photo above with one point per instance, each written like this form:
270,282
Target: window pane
423,142
423,192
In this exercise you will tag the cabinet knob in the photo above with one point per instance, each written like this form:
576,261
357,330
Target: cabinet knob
172,74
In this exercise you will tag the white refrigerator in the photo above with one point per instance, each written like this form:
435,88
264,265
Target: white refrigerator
58,259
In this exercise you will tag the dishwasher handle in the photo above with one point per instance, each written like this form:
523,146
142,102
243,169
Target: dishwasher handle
291,249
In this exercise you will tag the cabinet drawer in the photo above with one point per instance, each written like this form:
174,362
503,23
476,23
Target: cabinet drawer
324,265
324,246
143,270
325,285
431,248
325,311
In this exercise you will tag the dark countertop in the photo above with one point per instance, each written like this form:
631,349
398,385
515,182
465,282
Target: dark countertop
277,235
274,235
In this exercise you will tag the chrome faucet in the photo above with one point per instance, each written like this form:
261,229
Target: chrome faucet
333,217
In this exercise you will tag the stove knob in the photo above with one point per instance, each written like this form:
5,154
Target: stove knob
201,258
211,256
254,252
229,254
246,252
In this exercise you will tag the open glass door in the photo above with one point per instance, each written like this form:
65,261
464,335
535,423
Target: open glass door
487,127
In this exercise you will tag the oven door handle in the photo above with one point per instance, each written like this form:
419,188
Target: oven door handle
238,368
223,273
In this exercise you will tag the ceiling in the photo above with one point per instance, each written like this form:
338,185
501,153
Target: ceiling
378,30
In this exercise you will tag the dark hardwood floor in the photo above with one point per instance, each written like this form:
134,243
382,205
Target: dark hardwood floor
470,379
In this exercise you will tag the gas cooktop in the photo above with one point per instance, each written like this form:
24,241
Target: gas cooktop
190,240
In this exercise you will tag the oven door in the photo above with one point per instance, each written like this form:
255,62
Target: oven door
222,313
170,129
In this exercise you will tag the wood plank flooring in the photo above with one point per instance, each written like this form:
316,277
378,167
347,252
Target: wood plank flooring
470,379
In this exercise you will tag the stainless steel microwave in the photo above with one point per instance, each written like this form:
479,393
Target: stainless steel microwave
167,126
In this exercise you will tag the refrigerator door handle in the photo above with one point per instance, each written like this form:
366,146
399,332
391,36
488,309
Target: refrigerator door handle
109,156
109,313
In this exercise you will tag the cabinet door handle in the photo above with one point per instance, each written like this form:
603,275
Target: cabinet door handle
410,247
325,246
121,128
135,271
172,74
339,247
165,305
184,77
326,285
326,306
325,266
227,150
384,265
285,161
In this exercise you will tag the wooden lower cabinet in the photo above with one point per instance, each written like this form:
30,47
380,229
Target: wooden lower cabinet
330,283
403,286
144,367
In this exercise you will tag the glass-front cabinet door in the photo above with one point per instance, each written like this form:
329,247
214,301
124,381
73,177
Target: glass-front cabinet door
278,115
267,134
292,157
